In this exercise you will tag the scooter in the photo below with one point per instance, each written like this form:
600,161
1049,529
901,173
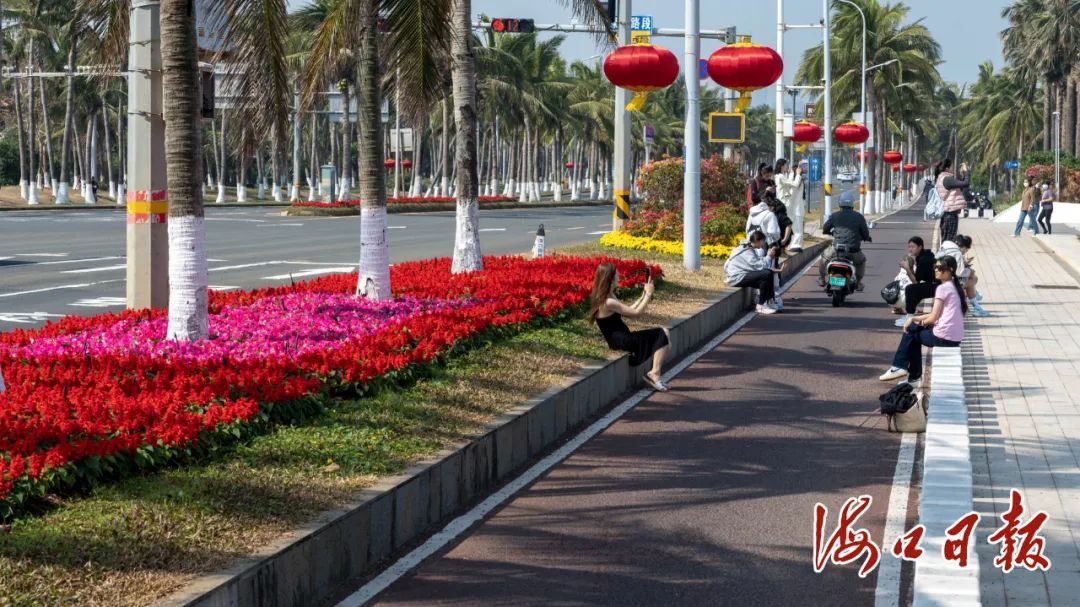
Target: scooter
840,274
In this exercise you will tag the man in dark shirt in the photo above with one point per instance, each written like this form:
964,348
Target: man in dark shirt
922,284
848,228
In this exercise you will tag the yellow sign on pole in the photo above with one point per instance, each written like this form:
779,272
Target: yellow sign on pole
641,37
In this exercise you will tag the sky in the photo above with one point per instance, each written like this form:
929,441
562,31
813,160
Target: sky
966,29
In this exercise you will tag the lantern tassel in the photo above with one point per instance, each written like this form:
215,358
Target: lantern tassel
637,102
744,101
801,148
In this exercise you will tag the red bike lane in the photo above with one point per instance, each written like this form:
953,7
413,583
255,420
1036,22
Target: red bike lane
705,495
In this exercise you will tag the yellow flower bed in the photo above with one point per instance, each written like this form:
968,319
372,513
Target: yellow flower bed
623,240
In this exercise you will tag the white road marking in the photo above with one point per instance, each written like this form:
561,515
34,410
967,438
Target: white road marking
232,219
572,229
6,258
100,302
26,317
58,288
41,254
311,272
223,288
86,260
599,233
274,225
456,527
396,227
887,593
492,229
92,270
246,265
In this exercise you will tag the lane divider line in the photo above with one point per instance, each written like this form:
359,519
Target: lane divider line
463,523
887,591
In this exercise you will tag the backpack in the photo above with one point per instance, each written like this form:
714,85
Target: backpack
935,206
904,409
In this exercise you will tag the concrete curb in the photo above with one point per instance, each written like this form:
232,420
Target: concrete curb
304,566
946,494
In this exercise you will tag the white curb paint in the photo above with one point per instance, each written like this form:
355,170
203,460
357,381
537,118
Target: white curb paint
887,592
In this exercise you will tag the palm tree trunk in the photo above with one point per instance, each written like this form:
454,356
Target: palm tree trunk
188,282
467,255
313,160
346,142
78,156
374,279
65,145
1068,118
108,153
1048,126
32,139
50,167
223,162
444,189
418,158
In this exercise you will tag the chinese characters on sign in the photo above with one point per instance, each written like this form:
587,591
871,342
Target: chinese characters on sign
641,27
1021,545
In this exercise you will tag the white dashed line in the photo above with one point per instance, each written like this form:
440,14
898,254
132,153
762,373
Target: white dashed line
92,270
572,229
58,288
86,260
275,225
100,302
26,317
41,255
311,272
599,233
492,229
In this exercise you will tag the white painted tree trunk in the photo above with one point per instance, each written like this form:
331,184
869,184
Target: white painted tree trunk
260,193
556,192
467,256
294,193
220,193
24,189
53,183
121,194
112,189
33,196
277,194
188,279
374,282
241,193
62,196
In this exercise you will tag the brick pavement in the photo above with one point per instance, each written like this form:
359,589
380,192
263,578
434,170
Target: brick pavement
1022,374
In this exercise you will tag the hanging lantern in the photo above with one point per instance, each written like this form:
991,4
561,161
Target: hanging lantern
569,165
852,133
892,157
745,67
895,168
911,168
641,68
389,163
406,164
806,132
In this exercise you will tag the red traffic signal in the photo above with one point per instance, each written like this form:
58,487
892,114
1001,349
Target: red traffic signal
513,26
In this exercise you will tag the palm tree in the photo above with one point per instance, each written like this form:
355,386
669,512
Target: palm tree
467,255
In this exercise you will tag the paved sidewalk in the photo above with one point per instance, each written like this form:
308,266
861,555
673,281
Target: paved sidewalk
1022,373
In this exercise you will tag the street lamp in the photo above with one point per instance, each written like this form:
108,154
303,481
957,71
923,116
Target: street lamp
862,110
1057,154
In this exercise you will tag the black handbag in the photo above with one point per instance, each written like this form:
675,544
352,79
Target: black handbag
891,292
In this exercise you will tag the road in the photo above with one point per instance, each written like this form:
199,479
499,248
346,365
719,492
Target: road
57,263
705,495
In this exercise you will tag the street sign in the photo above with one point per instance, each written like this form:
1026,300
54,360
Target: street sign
641,27
702,69
789,125
815,168
648,135
1012,165
811,110
406,140
727,127
334,107
328,179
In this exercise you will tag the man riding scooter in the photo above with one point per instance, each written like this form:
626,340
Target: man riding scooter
849,230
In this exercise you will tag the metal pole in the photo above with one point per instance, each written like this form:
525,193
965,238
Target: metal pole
794,109
621,178
147,206
294,195
780,82
692,155
397,135
828,110
1057,155
862,110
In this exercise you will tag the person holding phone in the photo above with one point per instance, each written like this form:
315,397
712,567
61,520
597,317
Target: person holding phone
789,186
607,312
752,265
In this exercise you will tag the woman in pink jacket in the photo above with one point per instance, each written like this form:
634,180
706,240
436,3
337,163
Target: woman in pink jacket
951,190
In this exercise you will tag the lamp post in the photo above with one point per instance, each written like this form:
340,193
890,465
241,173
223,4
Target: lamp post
1057,155
827,207
778,127
862,108
692,136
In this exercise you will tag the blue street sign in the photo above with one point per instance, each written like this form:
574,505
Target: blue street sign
702,69
1012,165
815,168
641,23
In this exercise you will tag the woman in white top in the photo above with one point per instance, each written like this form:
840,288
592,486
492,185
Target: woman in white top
789,186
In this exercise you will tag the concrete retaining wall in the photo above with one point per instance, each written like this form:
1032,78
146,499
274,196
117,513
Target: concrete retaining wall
305,565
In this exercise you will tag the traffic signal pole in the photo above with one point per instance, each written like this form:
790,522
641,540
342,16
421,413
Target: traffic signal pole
621,188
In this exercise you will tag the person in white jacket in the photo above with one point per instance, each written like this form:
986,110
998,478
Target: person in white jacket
789,187
750,265
762,218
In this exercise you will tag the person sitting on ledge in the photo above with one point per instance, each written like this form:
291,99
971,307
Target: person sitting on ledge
943,327
607,312
751,266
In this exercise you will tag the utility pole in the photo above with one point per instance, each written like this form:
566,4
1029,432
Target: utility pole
147,204
779,126
294,191
621,187
828,110
692,139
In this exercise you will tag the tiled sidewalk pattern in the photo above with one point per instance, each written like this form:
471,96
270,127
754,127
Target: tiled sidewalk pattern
1022,375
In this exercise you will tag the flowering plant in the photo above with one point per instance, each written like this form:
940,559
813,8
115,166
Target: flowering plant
96,397
622,240
720,223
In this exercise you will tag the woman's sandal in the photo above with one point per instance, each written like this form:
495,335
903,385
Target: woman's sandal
656,384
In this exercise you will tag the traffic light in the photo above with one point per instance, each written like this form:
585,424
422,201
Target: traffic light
513,26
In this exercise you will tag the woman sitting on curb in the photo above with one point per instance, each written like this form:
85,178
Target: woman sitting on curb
969,280
943,327
751,266
607,312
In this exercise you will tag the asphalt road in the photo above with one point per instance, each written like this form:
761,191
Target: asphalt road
57,263
705,495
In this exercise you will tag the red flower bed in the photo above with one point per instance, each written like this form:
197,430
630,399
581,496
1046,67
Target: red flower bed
345,204
69,418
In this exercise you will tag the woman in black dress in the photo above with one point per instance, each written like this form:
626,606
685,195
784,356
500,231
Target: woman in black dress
607,312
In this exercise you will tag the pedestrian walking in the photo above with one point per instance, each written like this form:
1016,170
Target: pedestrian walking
1047,204
789,186
751,264
951,190
1027,205
943,327
607,312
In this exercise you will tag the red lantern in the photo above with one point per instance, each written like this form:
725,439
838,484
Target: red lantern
406,164
895,168
851,133
569,165
806,132
389,163
641,68
745,67
911,168
892,157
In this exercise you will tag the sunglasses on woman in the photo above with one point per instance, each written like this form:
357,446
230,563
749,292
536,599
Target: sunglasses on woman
941,268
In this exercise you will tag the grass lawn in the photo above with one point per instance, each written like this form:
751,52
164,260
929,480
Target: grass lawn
133,541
